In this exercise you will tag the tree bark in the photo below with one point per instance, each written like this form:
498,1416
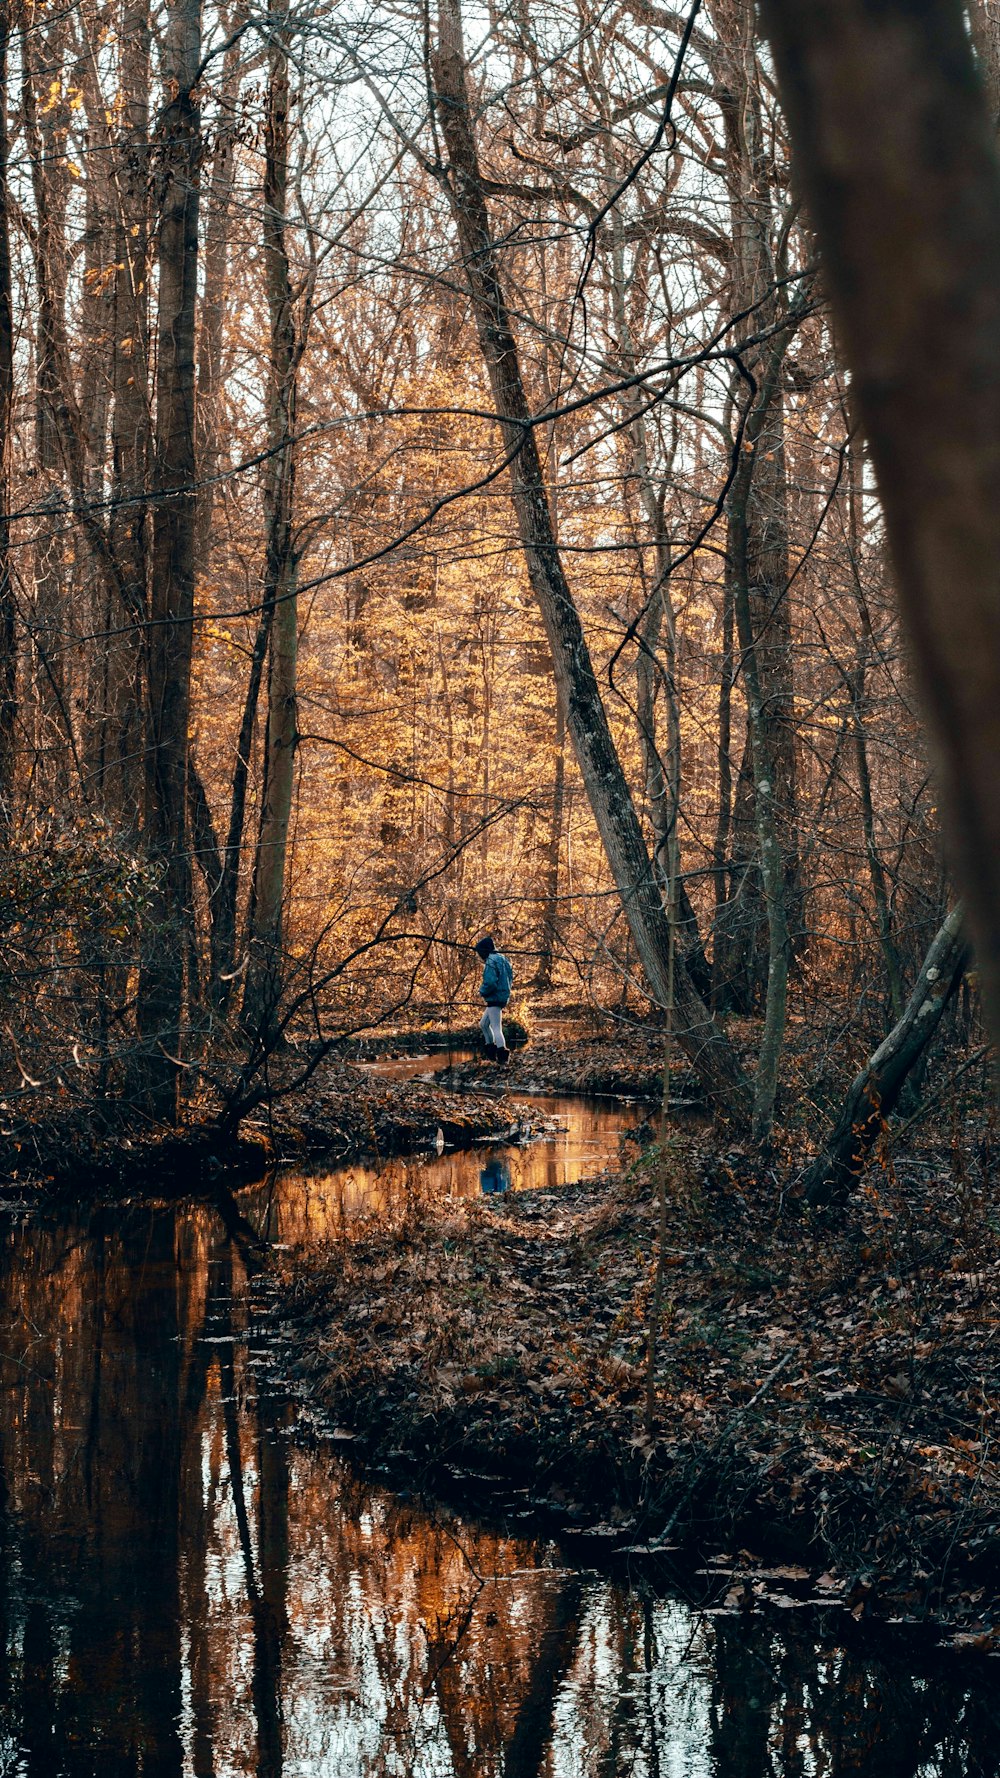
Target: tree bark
161,979
875,1091
905,197
120,782
984,17
759,518
706,1046
724,818
549,934
8,632
224,898
55,406
264,971
214,293
880,893
771,827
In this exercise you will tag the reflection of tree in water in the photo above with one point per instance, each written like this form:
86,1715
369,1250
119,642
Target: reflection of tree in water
782,1706
184,1590
90,1432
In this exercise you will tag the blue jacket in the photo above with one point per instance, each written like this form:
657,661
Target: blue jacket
498,979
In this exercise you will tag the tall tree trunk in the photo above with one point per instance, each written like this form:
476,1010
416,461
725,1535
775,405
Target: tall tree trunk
8,632
762,510
161,981
856,689
721,874
550,913
97,354
875,1091
123,739
266,937
586,719
880,893
215,291
905,198
769,826
55,417
224,897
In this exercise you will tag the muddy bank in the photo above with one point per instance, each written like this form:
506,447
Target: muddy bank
623,1060
426,1039
346,1111
340,1112
593,1064
824,1395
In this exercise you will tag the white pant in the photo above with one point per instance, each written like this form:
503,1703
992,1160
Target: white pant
491,1027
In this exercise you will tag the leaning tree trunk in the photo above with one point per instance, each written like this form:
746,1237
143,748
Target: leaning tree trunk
706,1046
875,1092
161,978
264,971
905,197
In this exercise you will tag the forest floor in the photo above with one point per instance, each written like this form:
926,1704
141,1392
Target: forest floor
826,1392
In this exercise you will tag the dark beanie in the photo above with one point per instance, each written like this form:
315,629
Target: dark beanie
485,947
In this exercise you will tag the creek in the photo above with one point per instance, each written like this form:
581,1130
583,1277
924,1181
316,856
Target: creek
191,1588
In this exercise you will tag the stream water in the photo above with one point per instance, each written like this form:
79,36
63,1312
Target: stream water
187,1587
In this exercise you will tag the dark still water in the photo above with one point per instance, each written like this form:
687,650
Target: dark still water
296,1207
187,1589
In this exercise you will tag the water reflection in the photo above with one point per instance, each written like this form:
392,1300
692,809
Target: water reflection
298,1208
185,1590
419,1067
494,1177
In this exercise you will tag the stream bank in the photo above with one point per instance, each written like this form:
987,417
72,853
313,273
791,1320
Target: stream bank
824,1394
196,1574
189,1584
342,1111
395,1092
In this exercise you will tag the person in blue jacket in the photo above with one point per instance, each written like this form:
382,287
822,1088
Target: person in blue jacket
494,989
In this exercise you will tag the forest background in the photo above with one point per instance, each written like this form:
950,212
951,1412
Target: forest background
432,501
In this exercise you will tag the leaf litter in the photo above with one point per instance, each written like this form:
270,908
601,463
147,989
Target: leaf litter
825,1391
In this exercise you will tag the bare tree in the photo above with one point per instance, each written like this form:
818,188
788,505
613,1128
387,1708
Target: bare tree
161,987
281,562
8,631
586,719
